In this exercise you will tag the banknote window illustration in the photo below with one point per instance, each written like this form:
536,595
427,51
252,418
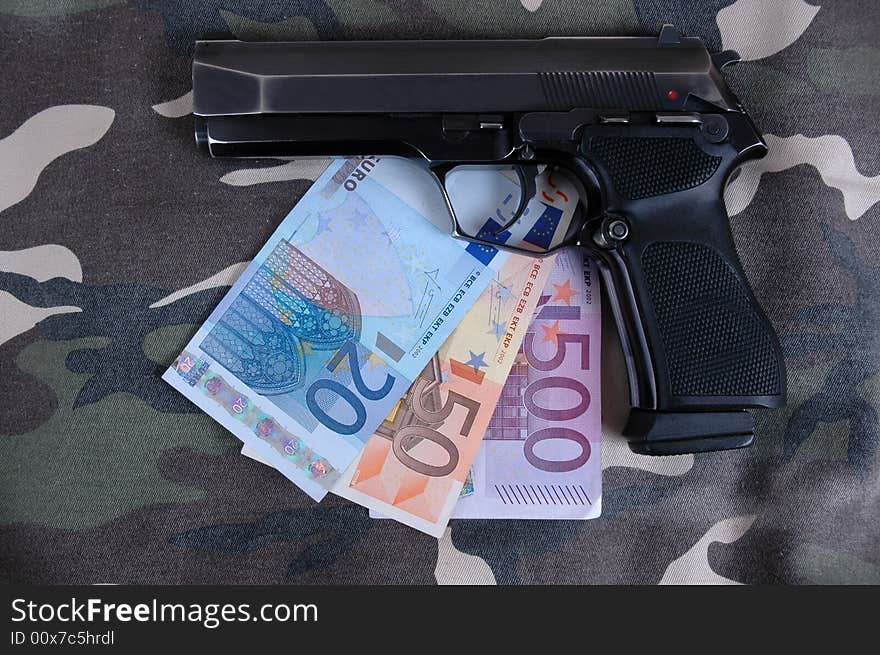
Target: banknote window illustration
290,301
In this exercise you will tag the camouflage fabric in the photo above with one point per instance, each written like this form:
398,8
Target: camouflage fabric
118,237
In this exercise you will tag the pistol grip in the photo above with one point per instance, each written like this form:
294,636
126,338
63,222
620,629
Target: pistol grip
699,348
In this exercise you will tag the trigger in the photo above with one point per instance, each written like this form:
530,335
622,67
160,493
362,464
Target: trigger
528,188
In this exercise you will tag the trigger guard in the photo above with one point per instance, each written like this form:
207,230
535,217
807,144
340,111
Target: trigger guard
528,189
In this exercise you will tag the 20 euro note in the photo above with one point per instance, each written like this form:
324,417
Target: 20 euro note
332,322
414,467
540,457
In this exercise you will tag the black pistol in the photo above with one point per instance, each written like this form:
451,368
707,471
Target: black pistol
645,126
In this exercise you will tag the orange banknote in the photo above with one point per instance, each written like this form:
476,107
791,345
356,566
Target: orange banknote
413,468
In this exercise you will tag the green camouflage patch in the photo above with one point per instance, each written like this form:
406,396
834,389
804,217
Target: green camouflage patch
88,465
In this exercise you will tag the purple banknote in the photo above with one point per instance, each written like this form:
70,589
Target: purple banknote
540,457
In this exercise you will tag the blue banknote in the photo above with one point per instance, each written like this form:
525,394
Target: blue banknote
333,320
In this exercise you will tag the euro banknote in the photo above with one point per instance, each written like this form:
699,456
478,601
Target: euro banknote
540,457
414,467
333,321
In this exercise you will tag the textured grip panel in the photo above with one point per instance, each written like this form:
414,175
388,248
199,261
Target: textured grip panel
641,167
600,89
715,343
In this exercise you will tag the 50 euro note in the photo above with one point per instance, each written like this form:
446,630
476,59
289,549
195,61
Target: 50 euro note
333,321
414,467
540,457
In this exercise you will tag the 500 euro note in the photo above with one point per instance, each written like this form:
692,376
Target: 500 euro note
540,457
414,467
333,321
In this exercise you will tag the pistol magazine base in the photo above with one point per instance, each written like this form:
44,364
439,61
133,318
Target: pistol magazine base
674,433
